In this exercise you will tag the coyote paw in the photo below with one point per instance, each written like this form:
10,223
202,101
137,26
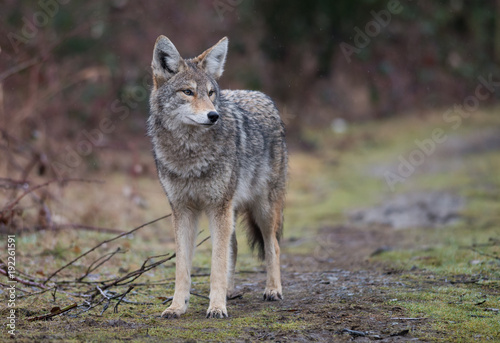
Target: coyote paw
217,312
272,294
171,313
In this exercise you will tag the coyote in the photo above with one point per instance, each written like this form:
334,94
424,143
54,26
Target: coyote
222,153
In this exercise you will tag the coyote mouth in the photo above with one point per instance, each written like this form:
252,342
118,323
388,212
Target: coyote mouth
202,124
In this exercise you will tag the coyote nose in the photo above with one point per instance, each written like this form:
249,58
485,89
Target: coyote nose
213,116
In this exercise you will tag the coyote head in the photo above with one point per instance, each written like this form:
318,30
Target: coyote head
186,89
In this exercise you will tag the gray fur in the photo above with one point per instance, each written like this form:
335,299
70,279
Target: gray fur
240,161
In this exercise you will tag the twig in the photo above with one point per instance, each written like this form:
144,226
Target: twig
104,296
102,292
54,294
166,301
199,295
24,282
80,227
44,290
26,276
10,183
453,282
15,69
144,268
105,307
52,314
102,243
115,309
27,170
236,296
90,306
135,274
100,261
137,302
127,280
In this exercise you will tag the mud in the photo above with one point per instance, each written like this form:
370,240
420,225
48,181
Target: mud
338,305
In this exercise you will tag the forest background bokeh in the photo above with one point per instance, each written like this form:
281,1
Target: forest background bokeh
74,73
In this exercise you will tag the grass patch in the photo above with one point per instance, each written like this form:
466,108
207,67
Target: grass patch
460,313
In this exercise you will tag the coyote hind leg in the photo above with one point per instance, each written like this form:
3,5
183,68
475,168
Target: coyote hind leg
270,220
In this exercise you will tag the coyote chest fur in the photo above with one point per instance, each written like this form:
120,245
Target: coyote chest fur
222,153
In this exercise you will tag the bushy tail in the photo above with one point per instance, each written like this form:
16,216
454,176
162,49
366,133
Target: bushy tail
254,235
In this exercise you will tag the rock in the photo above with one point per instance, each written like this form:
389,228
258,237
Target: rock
422,209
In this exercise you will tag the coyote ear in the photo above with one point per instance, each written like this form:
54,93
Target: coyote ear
166,60
213,59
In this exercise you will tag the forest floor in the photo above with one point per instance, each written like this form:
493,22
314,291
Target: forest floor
361,260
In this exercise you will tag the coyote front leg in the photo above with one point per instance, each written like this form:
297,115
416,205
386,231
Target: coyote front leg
185,227
221,228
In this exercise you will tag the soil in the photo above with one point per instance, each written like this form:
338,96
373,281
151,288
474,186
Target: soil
341,305
334,295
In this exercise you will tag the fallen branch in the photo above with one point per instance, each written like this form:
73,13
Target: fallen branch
115,309
102,243
102,293
52,314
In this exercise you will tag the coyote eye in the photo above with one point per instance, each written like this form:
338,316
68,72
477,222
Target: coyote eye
188,92
211,93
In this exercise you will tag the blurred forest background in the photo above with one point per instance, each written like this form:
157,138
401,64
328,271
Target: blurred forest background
65,63
75,77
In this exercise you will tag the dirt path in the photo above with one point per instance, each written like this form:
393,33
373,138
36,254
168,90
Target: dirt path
334,305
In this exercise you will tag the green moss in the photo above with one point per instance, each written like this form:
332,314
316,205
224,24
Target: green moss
457,311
